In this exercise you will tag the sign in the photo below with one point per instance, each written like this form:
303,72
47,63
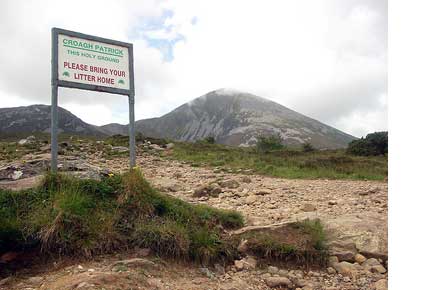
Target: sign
92,63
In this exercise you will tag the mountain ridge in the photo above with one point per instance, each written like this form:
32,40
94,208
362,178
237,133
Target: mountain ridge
232,117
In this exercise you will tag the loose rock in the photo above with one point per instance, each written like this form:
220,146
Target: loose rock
278,282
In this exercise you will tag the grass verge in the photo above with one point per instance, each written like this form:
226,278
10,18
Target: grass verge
83,217
285,163
300,243
70,216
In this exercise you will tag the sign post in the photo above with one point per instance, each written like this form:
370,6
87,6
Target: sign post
92,63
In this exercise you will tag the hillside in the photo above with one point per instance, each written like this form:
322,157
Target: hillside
36,118
231,117
237,118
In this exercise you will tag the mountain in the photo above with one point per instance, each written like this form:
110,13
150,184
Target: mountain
231,117
114,128
237,118
36,118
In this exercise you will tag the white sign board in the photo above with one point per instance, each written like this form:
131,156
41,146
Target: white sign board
94,63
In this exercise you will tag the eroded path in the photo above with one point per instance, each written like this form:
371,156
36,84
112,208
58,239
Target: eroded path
354,213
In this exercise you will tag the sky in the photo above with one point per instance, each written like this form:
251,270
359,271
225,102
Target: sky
326,59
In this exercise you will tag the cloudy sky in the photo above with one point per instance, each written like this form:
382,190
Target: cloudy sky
324,58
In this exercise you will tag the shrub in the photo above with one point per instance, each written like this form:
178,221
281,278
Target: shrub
269,143
372,145
307,147
207,140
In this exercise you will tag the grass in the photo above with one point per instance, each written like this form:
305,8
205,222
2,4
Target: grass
285,163
83,217
302,243
70,216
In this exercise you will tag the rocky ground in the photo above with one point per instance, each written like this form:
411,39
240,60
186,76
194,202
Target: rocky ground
354,214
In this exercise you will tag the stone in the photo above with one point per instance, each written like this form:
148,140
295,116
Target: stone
230,183
278,282
262,192
283,273
371,262
120,149
247,263
170,146
332,260
5,280
17,174
239,265
207,190
167,184
301,282
331,270
332,202
308,207
135,262
29,140
250,262
378,269
45,148
243,246
207,272
359,258
381,284
345,251
251,199
344,268
246,179
36,281
358,233
154,283
272,270
219,269
155,147
83,285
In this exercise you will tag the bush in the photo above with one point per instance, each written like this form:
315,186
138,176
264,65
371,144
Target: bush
307,147
372,145
206,140
269,143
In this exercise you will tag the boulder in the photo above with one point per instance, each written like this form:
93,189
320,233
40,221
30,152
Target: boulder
345,268
272,270
29,140
378,269
345,251
381,284
349,234
248,263
230,183
17,174
207,190
243,246
359,258
120,149
371,262
308,207
251,199
167,184
274,282
263,192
